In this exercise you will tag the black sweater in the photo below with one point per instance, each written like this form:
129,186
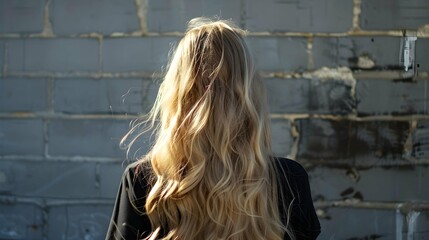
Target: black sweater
130,223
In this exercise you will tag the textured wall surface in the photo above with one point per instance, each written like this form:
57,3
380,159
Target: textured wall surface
73,74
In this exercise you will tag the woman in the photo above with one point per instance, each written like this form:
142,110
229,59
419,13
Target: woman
210,173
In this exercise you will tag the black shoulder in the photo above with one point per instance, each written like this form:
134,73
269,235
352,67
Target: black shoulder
137,177
290,167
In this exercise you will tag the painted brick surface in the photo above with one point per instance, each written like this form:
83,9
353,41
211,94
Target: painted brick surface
421,140
136,54
278,54
398,98
367,224
21,137
182,11
398,184
21,221
357,52
74,17
111,96
299,16
56,55
281,137
79,222
110,176
24,16
326,139
12,91
396,14
50,179
287,95
308,96
87,137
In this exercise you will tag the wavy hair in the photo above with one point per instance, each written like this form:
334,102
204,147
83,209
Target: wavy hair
213,174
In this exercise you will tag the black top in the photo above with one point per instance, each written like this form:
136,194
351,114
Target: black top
130,223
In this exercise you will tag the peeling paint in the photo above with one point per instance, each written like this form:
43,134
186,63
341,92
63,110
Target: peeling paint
365,62
343,74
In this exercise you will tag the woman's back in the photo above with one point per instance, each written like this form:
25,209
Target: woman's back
129,220
211,171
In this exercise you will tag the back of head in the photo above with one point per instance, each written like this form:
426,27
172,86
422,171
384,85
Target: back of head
213,174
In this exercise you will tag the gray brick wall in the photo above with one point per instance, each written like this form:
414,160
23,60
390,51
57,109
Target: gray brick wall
21,16
73,74
82,16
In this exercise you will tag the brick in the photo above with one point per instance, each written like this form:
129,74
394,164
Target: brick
397,14
299,16
79,222
12,91
278,54
56,55
367,224
103,17
323,139
379,52
421,140
136,54
333,96
180,12
343,139
287,95
110,177
309,96
422,59
21,137
25,16
21,221
281,137
398,98
112,96
49,179
397,184
86,137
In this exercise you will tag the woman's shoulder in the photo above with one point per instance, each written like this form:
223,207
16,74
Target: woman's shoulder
290,168
137,175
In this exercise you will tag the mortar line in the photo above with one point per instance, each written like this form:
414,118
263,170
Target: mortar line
309,50
139,33
141,10
374,75
47,26
5,60
357,10
286,116
404,206
50,158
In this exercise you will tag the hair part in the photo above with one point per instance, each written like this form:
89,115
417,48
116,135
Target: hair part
213,174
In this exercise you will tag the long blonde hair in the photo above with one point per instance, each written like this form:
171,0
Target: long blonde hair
213,174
